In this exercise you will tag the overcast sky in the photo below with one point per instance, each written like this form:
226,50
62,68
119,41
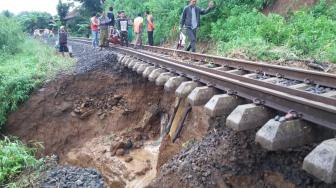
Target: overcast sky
17,6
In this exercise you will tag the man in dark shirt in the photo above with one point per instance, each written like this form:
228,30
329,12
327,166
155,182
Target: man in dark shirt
190,20
112,21
123,27
63,40
110,15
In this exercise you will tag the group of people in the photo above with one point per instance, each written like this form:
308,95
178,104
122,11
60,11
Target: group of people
105,27
43,34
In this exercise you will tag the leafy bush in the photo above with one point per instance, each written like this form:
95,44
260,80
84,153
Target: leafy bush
14,156
310,34
10,36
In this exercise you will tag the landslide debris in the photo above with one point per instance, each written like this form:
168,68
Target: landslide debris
225,158
102,116
73,177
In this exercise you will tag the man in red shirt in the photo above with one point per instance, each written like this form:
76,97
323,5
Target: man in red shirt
95,31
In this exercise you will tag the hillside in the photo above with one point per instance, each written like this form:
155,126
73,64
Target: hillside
283,7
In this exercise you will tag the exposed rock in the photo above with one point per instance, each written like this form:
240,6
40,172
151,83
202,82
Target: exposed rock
73,177
128,159
115,146
87,114
120,152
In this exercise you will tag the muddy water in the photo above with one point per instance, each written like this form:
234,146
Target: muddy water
117,172
140,157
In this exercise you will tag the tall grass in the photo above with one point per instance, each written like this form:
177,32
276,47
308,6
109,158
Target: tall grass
24,71
24,65
14,156
10,36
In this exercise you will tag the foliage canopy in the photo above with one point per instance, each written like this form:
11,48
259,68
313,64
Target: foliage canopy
34,20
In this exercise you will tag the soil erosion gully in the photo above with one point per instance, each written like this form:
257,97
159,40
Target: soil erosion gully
311,95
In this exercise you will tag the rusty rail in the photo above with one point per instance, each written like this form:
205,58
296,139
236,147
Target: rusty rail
306,76
313,108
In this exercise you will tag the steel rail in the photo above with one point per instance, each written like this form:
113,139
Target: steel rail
308,76
307,95
323,114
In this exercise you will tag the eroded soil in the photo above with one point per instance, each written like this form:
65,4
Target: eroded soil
106,117
85,117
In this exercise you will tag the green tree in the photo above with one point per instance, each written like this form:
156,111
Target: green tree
34,20
90,7
62,10
7,13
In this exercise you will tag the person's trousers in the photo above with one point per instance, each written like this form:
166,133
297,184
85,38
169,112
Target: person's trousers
150,37
124,38
192,38
103,37
95,37
138,40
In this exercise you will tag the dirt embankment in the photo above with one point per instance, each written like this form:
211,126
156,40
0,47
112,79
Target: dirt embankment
224,158
106,117
283,7
101,116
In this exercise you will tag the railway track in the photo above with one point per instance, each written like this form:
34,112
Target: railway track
311,95
308,98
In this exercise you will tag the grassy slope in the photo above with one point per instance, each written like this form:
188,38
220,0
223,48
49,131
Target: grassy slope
20,74
24,71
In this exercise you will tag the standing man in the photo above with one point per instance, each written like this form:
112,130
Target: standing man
123,26
94,30
63,40
137,24
103,27
150,27
130,29
112,20
190,20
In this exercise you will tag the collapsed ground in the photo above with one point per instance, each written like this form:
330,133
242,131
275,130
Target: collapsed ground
106,117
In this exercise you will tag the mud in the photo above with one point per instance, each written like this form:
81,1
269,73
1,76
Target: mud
107,119
80,116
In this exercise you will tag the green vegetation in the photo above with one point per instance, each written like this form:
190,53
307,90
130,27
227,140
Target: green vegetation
9,45
24,65
272,37
239,26
14,157
62,11
21,73
33,20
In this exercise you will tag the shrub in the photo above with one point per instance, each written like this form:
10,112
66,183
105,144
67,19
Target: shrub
21,73
14,156
310,34
10,36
